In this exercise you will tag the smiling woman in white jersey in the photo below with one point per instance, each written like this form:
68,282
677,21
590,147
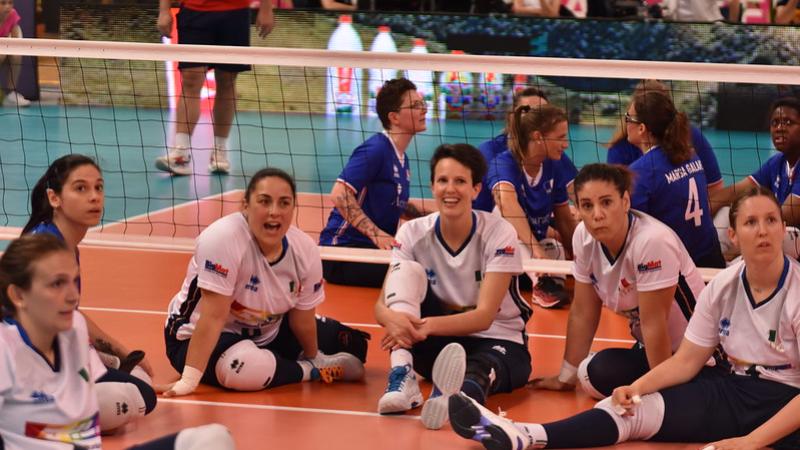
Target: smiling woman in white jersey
246,310
48,396
451,291
749,314
633,265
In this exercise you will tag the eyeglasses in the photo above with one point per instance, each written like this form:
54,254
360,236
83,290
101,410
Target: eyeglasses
418,104
630,119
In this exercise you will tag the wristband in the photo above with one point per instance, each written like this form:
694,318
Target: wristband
190,378
568,374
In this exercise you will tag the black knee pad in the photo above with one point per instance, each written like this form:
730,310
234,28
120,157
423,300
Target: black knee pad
335,337
479,369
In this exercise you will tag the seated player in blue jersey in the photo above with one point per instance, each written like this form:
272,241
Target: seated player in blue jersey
747,316
529,184
635,266
48,398
371,194
622,151
669,179
778,174
244,318
451,287
532,97
65,202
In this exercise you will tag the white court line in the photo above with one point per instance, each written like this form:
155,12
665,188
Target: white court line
350,324
283,408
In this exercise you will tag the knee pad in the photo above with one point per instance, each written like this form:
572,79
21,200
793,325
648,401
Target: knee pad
207,437
405,287
335,337
585,381
139,373
482,370
791,243
245,367
120,404
643,424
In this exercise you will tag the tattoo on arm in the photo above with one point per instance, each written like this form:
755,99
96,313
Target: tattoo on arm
352,212
412,212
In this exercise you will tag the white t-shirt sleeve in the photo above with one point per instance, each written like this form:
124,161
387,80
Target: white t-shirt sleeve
5,372
313,291
703,328
657,261
403,240
581,267
218,258
502,251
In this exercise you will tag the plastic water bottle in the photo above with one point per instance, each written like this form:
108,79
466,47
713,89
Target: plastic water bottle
456,92
383,43
423,79
343,83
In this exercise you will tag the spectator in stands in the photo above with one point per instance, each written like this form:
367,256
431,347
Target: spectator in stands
372,192
540,8
209,23
787,12
701,10
11,64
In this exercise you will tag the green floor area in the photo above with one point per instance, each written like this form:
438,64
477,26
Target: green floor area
314,148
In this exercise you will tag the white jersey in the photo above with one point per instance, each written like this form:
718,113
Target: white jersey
228,261
755,337
651,258
455,275
43,407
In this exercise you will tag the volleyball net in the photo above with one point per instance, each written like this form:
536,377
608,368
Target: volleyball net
305,111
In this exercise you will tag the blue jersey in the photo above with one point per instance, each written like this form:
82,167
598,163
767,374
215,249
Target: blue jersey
381,185
539,196
51,228
625,153
777,176
676,195
493,147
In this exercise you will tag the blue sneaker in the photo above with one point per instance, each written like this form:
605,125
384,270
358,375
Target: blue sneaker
402,392
448,376
471,420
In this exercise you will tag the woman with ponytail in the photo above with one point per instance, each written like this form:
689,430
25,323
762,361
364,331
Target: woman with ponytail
529,185
66,201
671,183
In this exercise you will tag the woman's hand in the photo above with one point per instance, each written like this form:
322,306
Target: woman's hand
624,399
402,330
550,384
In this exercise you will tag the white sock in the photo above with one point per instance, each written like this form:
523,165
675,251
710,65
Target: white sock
535,432
401,357
221,142
183,140
307,368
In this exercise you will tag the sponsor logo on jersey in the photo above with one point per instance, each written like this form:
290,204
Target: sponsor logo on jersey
40,397
216,268
625,286
649,266
253,283
84,432
84,374
505,251
725,327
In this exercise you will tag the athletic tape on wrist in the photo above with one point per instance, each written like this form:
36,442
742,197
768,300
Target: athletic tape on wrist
568,374
190,378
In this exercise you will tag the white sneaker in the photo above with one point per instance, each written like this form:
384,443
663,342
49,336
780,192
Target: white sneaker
448,376
471,420
14,98
177,162
219,161
402,392
339,366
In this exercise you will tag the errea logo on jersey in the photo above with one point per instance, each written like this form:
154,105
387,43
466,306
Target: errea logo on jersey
725,327
650,266
40,397
216,268
507,251
253,284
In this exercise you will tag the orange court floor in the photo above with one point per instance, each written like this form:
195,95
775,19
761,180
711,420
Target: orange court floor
127,293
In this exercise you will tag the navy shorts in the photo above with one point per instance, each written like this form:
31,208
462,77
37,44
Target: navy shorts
214,28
